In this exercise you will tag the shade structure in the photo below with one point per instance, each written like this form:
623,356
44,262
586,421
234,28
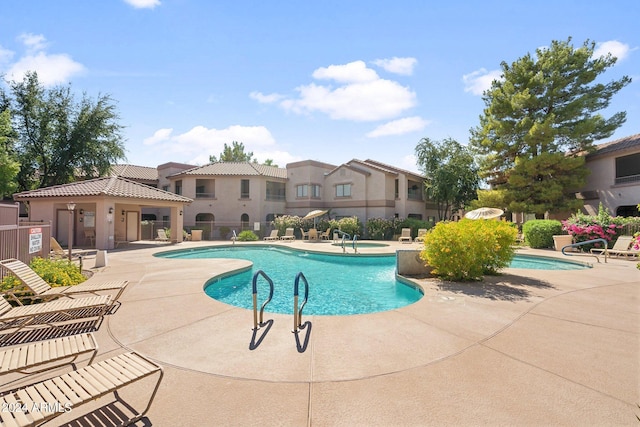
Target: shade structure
314,214
484,213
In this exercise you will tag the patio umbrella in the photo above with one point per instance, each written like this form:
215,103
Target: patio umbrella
484,213
314,214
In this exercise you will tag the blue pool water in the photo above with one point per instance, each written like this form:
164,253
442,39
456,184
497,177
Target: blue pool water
338,284
543,263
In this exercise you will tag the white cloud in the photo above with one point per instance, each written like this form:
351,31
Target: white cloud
51,68
199,142
158,136
265,99
143,4
33,42
361,96
480,80
614,47
399,127
410,163
353,72
280,158
397,65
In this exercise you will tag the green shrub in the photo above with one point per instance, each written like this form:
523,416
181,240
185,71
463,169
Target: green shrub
538,233
468,249
247,236
54,272
379,228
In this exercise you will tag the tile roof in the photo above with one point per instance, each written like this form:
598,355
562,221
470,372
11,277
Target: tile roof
105,186
136,173
236,168
628,142
390,168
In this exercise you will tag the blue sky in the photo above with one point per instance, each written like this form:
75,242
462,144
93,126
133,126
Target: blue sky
328,81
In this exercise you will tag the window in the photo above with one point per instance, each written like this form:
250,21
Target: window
414,191
165,188
178,187
343,190
415,216
244,219
305,190
244,189
628,168
397,193
205,188
276,190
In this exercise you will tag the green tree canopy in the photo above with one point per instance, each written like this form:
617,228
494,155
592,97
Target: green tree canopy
235,153
451,174
9,168
58,138
540,117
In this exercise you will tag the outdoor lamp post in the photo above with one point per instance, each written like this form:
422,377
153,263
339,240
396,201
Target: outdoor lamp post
70,207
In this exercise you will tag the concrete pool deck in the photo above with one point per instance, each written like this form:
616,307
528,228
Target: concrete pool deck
524,348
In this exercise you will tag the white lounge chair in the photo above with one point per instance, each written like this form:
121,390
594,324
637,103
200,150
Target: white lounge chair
621,247
288,235
405,237
42,290
273,235
162,235
420,237
43,401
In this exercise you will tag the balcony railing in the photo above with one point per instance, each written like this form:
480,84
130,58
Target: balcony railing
627,179
205,195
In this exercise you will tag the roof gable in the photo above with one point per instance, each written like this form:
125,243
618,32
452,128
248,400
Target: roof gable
235,169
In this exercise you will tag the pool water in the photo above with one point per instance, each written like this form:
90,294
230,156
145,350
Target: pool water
543,263
338,284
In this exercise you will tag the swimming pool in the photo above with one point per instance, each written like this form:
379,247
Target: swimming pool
534,262
338,284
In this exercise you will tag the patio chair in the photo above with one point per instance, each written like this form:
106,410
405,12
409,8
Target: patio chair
43,401
325,234
90,235
420,237
57,252
273,235
405,237
305,234
52,313
621,247
288,235
42,290
23,358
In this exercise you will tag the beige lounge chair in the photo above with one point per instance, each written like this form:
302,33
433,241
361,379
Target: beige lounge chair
621,247
420,237
405,237
162,235
288,235
57,252
42,290
43,401
51,313
305,234
273,235
25,357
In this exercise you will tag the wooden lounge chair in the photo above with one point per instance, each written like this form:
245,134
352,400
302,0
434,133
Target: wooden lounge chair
52,313
288,235
405,237
273,235
621,247
25,357
43,401
420,237
42,290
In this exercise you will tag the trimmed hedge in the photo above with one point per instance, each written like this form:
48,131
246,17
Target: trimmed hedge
538,233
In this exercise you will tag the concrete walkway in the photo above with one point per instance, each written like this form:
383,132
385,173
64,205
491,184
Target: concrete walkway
529,347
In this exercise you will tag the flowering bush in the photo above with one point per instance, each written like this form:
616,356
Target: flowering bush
589,227
467,249
287,221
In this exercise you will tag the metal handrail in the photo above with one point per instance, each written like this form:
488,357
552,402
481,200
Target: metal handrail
587,242
346,236
297,312
355,243
255,298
